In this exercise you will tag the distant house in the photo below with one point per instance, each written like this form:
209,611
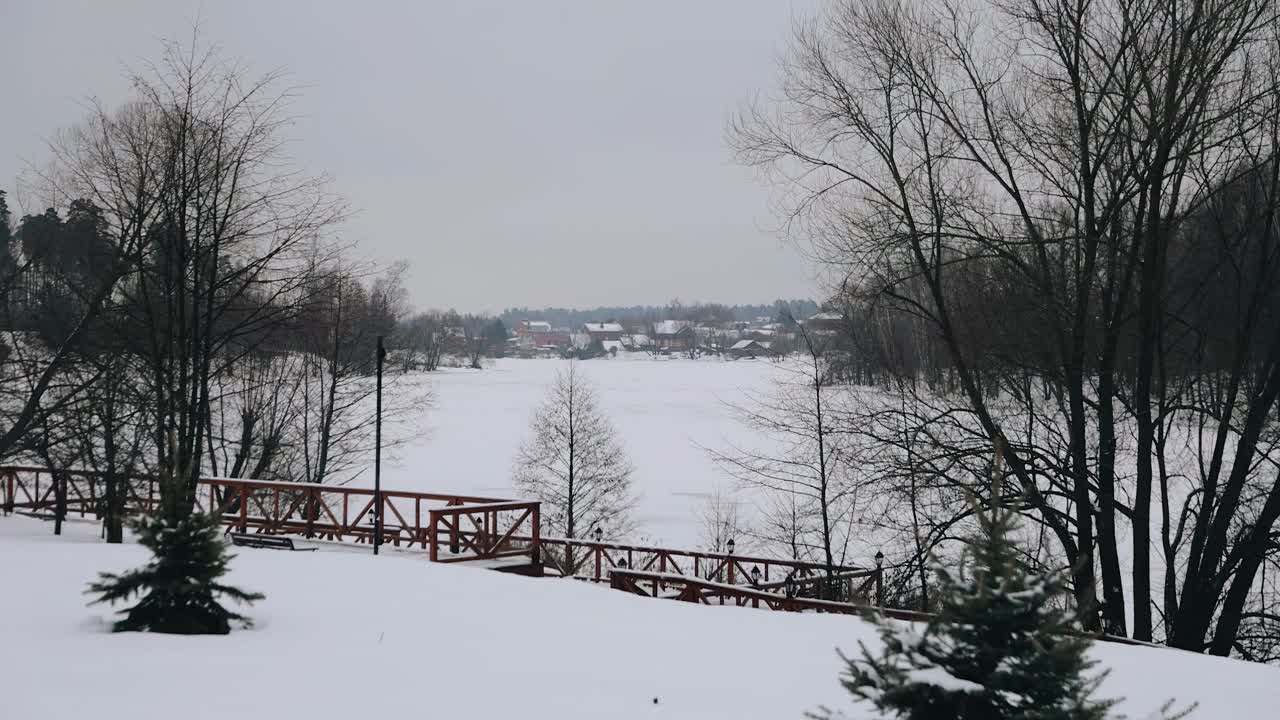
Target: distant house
556,339
530,334
609,331
749,349
674,335
637,342
532,327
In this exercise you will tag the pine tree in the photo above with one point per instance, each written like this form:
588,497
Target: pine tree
998,648
7,264
179,586
496,336
6,232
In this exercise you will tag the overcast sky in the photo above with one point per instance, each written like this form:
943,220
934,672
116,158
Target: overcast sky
516,153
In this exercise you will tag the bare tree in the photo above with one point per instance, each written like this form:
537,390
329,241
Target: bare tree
1064,214
476,341
784,522
574,462
333,436
256,409
192,176
722,521
107,433
422,339
810,458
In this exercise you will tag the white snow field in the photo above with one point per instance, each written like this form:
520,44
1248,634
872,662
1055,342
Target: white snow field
345,635
666,412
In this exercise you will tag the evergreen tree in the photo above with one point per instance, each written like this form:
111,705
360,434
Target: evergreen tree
8,266
998,648
40,236
496,336
179,587
6,232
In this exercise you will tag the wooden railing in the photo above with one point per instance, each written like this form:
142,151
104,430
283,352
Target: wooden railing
706,592
474,528
598,561
486,530
322,512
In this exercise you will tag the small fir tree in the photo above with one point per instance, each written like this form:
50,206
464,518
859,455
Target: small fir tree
179,587
998,648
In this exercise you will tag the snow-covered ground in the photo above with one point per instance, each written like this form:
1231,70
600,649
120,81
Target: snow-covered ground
666,412
345,635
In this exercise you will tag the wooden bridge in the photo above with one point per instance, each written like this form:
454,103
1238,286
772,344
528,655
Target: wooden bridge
500,533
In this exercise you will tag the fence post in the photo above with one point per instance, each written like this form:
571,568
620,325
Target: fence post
880,587
244,507
10,490
434,516
536,551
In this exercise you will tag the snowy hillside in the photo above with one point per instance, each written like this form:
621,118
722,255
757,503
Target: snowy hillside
345,635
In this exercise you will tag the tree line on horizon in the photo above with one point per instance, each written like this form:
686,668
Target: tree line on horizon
702,313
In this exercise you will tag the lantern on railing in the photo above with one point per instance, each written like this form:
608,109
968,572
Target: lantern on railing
622,563
599,533
879,559
789,586
729,545
755,575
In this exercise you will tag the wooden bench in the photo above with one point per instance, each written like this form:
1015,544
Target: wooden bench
274,542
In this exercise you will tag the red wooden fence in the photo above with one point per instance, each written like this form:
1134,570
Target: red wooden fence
707,592
598,561
452,528
486,530
323,512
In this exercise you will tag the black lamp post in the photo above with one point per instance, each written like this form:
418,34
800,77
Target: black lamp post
729,545
755,575
377,454
599,534
879,579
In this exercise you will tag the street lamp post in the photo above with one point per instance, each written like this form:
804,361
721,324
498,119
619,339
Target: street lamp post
729,546
377,454
879,579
